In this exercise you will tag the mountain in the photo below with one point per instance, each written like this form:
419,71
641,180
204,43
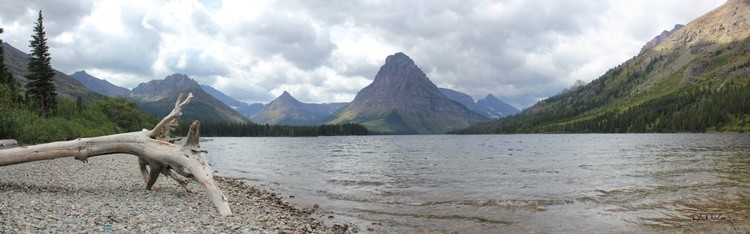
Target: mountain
660,38
489,107
157,97
241,107
250,110
492,107
100,86
460,97
231,102
286,110
696,80
402,100
65,86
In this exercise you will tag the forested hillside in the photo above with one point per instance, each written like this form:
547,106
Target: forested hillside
698,80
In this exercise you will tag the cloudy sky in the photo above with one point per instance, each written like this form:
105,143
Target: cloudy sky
325,51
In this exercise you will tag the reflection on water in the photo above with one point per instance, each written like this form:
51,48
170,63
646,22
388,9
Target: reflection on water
511,183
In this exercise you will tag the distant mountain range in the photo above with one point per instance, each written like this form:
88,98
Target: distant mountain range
693,79
157,97
66,86
243,108
493,108
286,110
489,106
100,86
402,100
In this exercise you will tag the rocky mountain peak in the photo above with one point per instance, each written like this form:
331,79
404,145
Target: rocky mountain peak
158,89
661,38
181,81
285,98
401,99
726,24
492,107
286,95
81,72
100,86
399,59
400,76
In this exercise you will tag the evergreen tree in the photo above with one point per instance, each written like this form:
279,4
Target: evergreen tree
40,89
6,77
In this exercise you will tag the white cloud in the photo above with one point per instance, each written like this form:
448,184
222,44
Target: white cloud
521,51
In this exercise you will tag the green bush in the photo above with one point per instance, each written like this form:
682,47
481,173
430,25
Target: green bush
101,117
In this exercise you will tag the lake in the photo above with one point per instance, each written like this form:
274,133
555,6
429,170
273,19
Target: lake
505,183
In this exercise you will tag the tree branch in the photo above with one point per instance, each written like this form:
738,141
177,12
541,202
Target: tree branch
152,148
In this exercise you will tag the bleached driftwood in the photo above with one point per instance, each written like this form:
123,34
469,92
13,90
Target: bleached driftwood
8,143
157,155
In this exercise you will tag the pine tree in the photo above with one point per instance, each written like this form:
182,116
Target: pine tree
40,89
6,77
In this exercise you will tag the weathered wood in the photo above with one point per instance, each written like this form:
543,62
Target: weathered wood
8,143
152,147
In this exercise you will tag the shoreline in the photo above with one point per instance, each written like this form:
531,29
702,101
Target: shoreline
108,195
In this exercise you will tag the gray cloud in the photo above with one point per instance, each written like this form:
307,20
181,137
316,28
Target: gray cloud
133,51
324,51
59,15
295,39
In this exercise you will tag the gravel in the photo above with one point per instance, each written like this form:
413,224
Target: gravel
108,195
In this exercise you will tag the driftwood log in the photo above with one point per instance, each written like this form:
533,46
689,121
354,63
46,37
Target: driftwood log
157,154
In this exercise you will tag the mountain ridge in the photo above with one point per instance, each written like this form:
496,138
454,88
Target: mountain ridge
287,110
157,97
402,100
661,38
243,108
66,86
694,81
492,107
100,86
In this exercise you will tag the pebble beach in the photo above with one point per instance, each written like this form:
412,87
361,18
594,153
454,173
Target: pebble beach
108,195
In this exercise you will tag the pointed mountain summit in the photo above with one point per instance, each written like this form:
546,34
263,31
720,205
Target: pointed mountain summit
157,97
287,110
402,100
100,86
156,90
287,98
695,80
492,107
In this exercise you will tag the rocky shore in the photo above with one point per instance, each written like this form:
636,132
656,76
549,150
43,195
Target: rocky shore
108,195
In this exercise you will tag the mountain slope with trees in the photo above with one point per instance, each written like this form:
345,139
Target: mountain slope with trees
66,86
287,110
70,119
157,97
697,80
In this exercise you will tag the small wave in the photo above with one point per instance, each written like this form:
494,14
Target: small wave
438,216
356,183
531,204
537,204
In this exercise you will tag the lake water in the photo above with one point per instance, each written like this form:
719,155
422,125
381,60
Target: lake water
505,183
